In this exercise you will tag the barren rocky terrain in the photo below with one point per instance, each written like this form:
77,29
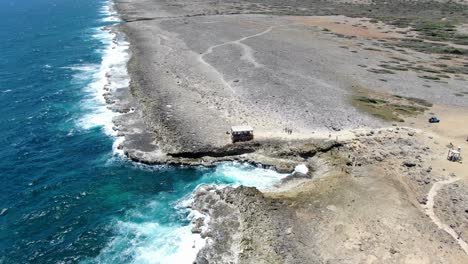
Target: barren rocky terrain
198,68
367,200
355,81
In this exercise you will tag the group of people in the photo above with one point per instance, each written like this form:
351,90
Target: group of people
287,130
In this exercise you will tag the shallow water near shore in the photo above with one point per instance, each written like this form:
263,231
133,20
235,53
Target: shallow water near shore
67,196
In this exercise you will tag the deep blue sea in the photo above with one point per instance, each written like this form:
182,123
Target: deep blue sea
67,196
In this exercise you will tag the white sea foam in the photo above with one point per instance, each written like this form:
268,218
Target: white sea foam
149,239
175,245
109,13
115,146
109,75
248,175
155,241
152,242
144,238
301,168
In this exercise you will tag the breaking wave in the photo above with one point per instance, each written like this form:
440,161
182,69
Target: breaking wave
105,78
160,231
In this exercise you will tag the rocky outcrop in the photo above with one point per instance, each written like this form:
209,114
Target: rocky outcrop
351,208
452,207
245,227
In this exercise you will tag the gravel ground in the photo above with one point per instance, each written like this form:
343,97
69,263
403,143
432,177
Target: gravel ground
365,203
194,75
199,67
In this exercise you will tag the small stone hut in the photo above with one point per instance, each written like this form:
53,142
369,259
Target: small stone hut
241,133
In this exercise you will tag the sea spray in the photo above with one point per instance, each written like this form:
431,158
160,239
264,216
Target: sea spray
245,174
105,78
160,231
60,191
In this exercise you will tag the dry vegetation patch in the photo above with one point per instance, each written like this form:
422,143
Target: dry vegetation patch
391,108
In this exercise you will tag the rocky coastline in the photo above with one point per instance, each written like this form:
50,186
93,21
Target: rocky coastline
374,183
197,69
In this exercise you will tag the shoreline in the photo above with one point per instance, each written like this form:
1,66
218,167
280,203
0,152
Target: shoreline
186,95
205,156
111,85
358,180
382,161
103,94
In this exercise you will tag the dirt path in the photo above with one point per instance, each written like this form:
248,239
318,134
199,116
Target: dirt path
430,212
247,55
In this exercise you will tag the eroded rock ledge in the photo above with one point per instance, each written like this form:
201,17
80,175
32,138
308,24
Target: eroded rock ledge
363,203
278,154
245,227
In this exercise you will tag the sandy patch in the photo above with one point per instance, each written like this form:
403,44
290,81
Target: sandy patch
349,26
453,128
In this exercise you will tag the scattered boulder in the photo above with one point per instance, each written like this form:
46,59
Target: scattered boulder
197,225
409,163
379,158
423,200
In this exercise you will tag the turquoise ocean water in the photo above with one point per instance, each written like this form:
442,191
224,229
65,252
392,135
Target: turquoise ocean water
67,196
